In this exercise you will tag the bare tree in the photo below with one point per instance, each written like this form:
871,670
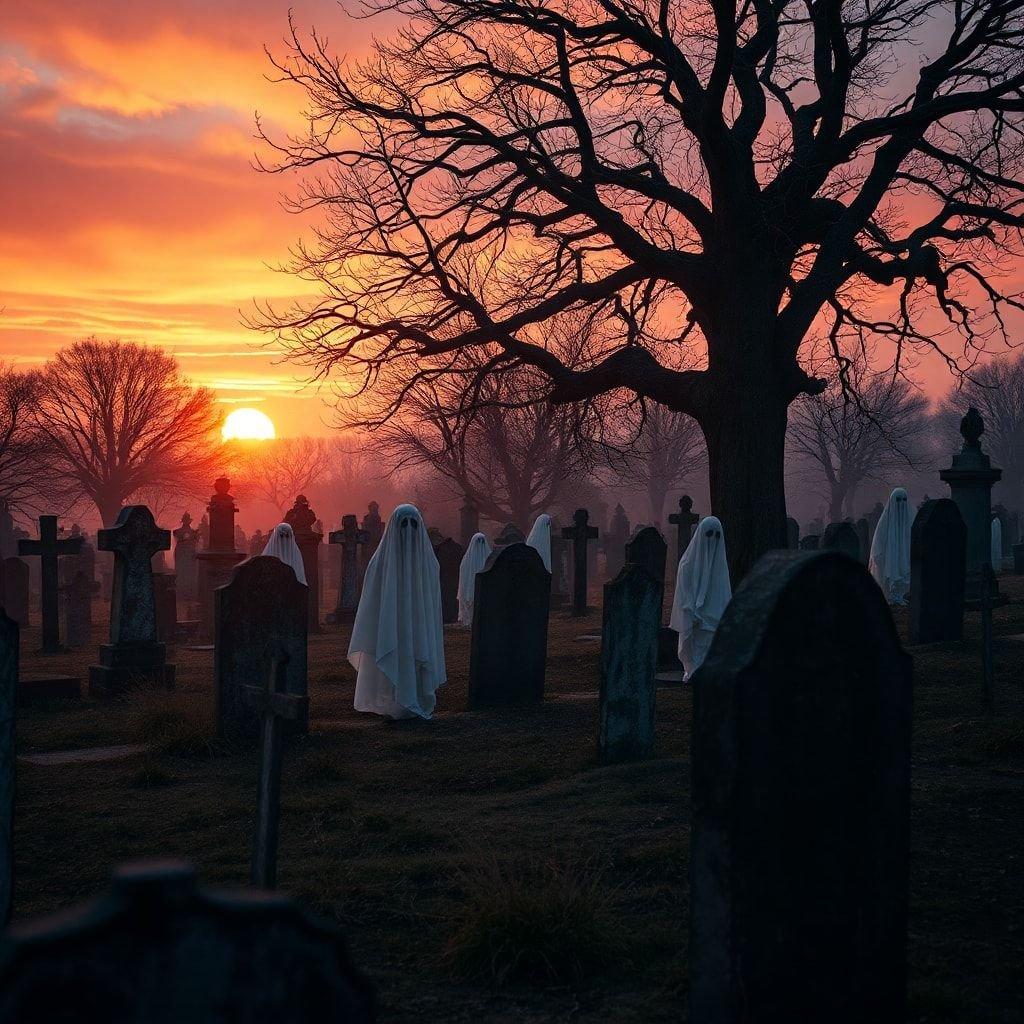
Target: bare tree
749,171
848,442
120,419
996,389
24,448
279,471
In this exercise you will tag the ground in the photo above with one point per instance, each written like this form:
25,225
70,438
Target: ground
412,835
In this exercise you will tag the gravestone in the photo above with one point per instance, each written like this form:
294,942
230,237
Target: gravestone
469,522
261,617
809,542
649,550
301,518
49,550
615,541
801,801
157,947
792,533
970,480
186,567
348,538
218,555
449,558
842,537
863,531
938,552
509,643
78,595
14,596
9,651
134,653
580,533
684,521
165,600
510,534
629,654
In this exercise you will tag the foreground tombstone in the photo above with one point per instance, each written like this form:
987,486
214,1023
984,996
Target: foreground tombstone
449,558
14,592
349,538
261,618
842,537
509,644
938,551
579,533
50,549
157,947
9,636
134,653
629,655
649,550
801,802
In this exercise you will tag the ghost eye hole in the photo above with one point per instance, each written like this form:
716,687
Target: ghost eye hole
409,521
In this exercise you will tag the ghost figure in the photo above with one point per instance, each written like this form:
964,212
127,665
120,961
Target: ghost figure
473,561
890,549
281,544
540,539
397,646
703,591
997,544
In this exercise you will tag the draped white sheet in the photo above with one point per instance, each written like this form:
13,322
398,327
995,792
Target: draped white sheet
889,562
473,561
540,539
281,544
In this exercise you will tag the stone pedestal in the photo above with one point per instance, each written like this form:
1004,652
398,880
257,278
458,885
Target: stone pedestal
301,518
970,480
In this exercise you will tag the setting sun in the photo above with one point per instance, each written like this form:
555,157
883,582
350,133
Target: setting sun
248,425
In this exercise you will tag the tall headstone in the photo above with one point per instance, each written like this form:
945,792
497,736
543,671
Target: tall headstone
49,550
78,595
182,953
792,533
938,554
218,555
449,558
684,521
801,802
186,540
302,519
349,538
509,643
9,651
649,550
469,522
262,618
842,537
14,595
580,533
374,527
629,655
1006,536
134,654
970,480
615,541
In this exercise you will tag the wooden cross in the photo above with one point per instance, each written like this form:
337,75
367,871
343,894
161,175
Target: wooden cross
349,537
684,521
579,533
49,549
273,706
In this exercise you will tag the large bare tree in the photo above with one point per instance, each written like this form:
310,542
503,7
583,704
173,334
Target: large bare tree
24,449
278,471
120,419
845,442
749,171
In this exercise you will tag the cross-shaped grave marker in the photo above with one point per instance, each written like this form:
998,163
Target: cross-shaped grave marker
684,521
49,549
350,536
579,533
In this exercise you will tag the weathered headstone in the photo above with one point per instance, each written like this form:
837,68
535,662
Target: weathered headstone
301,518
649,550
134,654
157,947
50,549
510,534
469,522
218,555
842,537
615,541
78,595
348,538
938,552
9,651
186,568
970,480
449,558
509,643
14,596
801,802
629,654
580,533
792,533
809,542
261,617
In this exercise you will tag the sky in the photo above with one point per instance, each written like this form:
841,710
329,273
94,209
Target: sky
129,207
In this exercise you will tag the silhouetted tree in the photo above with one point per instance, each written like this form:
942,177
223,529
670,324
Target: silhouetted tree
848,442
278,471
120,418
24,449
749,171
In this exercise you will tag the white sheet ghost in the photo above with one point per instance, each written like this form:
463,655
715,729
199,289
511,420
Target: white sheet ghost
540,538
473,561
889,562
281,544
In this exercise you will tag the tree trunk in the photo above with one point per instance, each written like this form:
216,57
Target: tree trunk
109,506
746,440
837,498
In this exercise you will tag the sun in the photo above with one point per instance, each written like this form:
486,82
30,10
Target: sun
248,425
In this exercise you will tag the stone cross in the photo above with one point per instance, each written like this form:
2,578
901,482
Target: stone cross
350,536
9,633
49,549
579,533
684,521
273,706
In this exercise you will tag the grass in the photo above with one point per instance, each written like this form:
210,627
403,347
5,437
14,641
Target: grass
484,866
